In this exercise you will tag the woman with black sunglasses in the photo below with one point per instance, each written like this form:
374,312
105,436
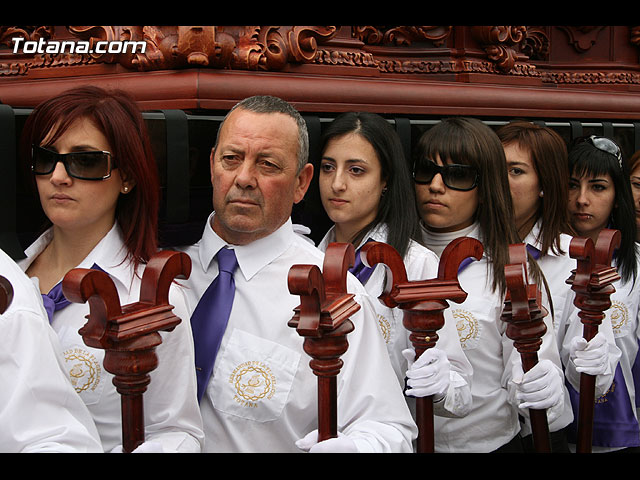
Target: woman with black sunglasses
96,178
462,190
365,188
600,197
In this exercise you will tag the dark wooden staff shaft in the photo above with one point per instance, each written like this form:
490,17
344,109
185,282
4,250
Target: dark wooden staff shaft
327,408
587,401
539,423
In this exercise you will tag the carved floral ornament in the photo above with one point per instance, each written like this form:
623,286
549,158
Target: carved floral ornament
505,50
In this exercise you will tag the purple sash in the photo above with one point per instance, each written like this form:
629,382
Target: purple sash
55,299
359,269
614,422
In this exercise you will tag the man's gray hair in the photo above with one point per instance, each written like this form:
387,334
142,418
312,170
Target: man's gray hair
271,104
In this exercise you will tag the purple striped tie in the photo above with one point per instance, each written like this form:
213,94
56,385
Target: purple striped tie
209,319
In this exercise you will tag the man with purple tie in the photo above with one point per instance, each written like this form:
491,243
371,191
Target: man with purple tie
257,392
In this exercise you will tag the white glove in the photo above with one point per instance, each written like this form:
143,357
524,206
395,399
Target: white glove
145,447
590,357
540,388
340,444
429,374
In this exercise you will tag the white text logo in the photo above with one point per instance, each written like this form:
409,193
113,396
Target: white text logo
20,45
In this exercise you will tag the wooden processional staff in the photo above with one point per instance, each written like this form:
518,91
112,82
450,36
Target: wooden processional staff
523,312
322,318
592,283
6,294
129,334
423,303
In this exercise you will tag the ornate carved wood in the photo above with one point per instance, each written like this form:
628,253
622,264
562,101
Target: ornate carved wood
322,318
524,314
375,68
423,303
592,282
6,294
129,334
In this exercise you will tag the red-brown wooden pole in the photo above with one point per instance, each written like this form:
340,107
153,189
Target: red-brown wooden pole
423,303
6,294
524,315
592,282
322,318
129,334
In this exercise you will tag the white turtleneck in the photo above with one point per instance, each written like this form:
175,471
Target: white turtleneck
437,241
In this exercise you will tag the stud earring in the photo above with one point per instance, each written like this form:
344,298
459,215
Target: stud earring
126,189
541,193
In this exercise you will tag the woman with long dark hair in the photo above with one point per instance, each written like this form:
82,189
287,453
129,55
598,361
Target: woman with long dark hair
96,178
600,197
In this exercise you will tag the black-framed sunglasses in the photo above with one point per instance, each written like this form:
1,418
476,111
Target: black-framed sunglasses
606,145
454,176
92,165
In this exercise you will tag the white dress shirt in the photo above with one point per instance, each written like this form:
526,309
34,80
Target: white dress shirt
262,393
39,409
420,264
171,414
493,419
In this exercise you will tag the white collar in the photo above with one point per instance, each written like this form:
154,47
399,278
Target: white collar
534,237
378,233
109,254
251,257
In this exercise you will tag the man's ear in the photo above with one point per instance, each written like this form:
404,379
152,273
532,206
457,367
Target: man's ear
303,181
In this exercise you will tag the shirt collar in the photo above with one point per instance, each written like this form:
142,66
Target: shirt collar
251,257
533,238
109,254
378,233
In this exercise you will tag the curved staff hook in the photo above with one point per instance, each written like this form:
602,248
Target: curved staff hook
524,315
423,303
6,294
129,334
592,282
322,318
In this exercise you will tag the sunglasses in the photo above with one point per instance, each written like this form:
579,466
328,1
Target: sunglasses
95,165
454,176
608,146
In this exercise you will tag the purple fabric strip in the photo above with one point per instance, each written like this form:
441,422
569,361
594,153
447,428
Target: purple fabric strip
359,269
210,317
635,371
614,423
55,299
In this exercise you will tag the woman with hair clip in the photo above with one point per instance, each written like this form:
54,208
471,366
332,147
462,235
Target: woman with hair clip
538,180
96,178
365,188
461,184
600,197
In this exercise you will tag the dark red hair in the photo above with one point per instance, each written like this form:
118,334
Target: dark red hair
116,114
